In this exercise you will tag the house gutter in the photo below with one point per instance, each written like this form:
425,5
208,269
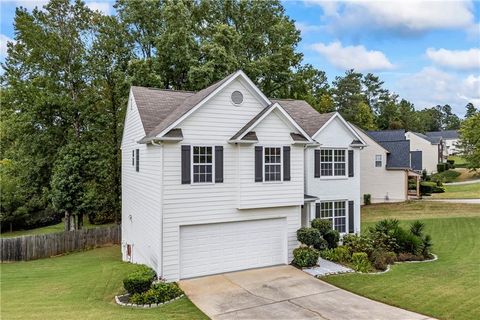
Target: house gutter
160,144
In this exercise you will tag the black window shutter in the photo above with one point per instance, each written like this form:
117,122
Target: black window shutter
350,163
186,164
133,157
137,160
351,217
286,163
218,164
317,164
317,210
258,164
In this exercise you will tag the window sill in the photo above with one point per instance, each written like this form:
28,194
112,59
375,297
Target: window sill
272,182
202,183
334,178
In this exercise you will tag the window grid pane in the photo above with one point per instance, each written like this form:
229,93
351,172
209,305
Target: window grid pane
335,211
332,162
273,164
202,164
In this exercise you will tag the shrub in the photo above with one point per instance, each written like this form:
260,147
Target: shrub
408,242
426,246
358,243
425,176
441,167
305,257
367,199
308,236
322,244
360,262
381,259
139,281
451,162
446,176
417,227
332,237
158,293
338,254
322,225
430,187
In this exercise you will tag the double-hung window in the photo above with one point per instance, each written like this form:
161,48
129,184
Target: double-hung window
332,162
202,164
335,211
272,162
378,160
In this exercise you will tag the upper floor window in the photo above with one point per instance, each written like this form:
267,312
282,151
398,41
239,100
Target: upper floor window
378,160
202,164
335,211
272,163
332,162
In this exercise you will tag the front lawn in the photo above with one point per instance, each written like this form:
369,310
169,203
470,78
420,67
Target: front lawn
447,288
77,286
460,191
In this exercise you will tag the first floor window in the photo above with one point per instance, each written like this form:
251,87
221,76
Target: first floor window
202,164
378,160
335,211
272,164
332,162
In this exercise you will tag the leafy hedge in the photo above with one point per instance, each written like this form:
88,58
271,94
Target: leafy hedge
158,293
139,281
305,257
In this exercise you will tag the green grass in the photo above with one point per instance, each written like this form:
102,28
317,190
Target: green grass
462,191
447,288
77,286
459,161
59,227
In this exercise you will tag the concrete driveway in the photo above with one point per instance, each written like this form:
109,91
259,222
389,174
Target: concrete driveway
283,292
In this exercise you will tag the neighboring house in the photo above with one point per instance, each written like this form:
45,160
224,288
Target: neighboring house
213,181
387,165
450,139
431,147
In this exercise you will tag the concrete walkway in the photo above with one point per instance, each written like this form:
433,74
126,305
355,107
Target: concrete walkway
283,292
463,182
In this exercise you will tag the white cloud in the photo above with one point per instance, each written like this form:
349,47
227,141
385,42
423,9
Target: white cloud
431,86
455,59
406,16
356,57
31,4
3,44
103,7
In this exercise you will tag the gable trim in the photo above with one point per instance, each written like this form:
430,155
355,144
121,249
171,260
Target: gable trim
345,123
275,106
237,74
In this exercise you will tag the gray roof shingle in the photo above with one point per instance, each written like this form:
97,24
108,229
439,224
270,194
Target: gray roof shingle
396,144
445,134
308,118
387,135
433,140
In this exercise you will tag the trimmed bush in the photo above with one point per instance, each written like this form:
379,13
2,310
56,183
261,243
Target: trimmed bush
139,281
305,257
427,187
446,176
360,262
322,225
367,199
322,244
451,163
308,236
332,237
441,167
381,259
405,256
158,293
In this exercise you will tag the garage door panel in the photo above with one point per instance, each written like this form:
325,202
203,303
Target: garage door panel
223,247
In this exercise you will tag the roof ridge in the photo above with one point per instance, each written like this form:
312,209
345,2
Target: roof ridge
163,89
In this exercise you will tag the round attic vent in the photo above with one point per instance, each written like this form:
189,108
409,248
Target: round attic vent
237,97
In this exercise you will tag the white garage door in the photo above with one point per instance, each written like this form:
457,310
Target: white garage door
222,247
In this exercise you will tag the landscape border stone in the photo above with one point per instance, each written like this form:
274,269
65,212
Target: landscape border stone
154,305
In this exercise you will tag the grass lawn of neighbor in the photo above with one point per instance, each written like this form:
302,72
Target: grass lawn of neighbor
59,227
77,286
461,191
448,288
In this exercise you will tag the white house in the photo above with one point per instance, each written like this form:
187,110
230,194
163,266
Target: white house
432,149
450,139
386,165
213,181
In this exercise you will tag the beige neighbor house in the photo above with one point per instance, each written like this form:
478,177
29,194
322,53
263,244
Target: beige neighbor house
387,165
431,147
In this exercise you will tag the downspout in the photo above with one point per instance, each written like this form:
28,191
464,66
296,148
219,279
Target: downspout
160,274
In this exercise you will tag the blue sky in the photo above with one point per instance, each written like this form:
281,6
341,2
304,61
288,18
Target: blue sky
426,51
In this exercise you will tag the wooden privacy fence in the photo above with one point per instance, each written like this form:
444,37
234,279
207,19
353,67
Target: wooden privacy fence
47,245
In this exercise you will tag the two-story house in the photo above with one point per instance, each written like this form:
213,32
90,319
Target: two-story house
450,138
213,181
431,148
